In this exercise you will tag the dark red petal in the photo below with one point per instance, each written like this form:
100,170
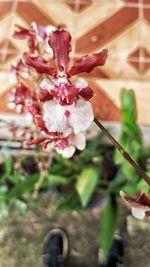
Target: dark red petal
86,93
23,33
142,201
38,63
59,41
32,44
33,108
45,95
41,124
147,213
88,63
34,141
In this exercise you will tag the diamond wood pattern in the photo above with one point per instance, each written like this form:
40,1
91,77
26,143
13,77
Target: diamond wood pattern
122,26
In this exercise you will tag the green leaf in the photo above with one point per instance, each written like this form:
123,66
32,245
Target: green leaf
86,184
16,178
23,187
3,189
21,207
108,226
143,186
4,211
128,104
8,164
69,202
55,180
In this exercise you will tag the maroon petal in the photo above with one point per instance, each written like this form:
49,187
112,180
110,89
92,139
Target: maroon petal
38,63
45,95
23,33
34,141
142,201
88,63
41,124
59,41
33,108
32,44
86,93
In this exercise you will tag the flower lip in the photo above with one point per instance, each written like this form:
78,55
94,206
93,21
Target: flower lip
80,118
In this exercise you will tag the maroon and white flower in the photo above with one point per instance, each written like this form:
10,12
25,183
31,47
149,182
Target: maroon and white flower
18,98
18,70
35,35
60,107
65,104
140,205
68,148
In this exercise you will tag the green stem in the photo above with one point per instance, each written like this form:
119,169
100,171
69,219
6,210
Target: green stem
124,153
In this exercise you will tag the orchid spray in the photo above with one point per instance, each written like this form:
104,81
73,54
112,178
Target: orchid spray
58,103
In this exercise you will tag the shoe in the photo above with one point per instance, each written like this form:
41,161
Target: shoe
115,255
55,249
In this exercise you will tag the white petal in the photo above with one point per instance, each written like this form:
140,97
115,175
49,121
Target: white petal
49,29
79,141
13,78
138,213
54,117
66,152
47,48
35,27
81,83
46,84
81,116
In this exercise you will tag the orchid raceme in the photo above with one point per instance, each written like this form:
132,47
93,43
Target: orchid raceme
65,108
140,206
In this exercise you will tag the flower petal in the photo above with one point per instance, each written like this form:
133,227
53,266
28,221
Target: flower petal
54,117
81,116
45,95
86,93
81,83
23,33
140,206
77,117
79,141
59,41
66,152
138,213
84,90
38,63
88,63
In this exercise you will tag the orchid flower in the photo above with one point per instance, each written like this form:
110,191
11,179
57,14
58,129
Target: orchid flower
140,206
65,104
35,35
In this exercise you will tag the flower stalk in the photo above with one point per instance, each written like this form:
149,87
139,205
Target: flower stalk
124,153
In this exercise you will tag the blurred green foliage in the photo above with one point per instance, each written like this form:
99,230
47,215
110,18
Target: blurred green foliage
84,181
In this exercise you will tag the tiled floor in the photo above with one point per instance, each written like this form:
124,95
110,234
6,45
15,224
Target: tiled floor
122,26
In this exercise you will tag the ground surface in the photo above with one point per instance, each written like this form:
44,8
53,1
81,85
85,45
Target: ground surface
21,239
